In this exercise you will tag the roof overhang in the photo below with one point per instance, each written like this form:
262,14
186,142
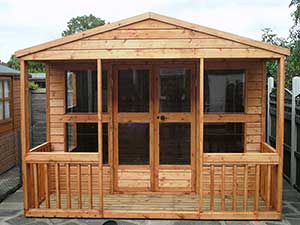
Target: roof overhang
150,15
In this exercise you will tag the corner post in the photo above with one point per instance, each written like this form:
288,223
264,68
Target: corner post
24,128
200,116
100,152
280,128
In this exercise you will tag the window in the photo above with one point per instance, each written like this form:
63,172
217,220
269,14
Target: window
83,137
224,91
223,137
5,99
81,91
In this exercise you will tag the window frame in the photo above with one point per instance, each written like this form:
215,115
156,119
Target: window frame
211,115
4,99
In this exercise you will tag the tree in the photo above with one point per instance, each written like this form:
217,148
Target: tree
82,23
33,67
292,42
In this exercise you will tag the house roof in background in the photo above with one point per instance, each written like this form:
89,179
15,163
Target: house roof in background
5,70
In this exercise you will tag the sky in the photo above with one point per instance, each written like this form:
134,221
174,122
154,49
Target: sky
27,23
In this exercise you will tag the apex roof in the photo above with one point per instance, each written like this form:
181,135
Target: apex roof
158,17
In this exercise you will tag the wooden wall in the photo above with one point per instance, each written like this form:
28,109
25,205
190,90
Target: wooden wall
150,39
255,100
254,123
9,131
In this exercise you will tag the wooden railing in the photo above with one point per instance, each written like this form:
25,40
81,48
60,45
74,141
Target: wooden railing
63,183
239,183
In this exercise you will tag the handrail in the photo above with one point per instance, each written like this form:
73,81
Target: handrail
44,147
50,157
267,148
241,158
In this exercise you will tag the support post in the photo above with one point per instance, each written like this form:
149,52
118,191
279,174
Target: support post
100,152
24,128
48,102
280,128
295,93
200,116
270,88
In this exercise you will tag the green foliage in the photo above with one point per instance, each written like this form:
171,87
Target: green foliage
33,67
296,13
82,23
292,62
32,85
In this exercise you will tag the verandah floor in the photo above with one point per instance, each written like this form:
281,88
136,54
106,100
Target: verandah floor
155,202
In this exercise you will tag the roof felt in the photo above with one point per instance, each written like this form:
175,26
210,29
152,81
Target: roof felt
5,70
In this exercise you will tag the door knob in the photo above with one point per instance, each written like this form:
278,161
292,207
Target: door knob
163,117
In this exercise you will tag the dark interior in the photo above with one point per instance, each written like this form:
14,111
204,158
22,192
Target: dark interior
223,137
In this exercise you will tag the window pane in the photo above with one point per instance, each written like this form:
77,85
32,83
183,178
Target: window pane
83,137
1,89
71,136
175,90
104,90
1,110
174,143
224,91
133,144
133,90
224,137
7,109
81,91
6,89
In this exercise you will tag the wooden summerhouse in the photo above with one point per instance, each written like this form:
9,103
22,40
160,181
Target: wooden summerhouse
9,118
154,117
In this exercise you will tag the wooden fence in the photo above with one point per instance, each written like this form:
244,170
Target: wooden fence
291,165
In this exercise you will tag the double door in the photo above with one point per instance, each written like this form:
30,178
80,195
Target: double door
154,128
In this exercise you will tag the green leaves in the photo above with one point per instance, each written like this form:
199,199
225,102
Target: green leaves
33,67
82,23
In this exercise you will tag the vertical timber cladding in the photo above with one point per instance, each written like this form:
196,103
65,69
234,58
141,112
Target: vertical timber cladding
253,130
57,132
9,131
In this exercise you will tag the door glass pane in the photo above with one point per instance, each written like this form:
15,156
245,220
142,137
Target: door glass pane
133,144
175,90
174,143
7,109
224,91
6,89
133,90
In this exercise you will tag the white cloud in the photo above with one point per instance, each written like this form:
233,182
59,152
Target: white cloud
30,22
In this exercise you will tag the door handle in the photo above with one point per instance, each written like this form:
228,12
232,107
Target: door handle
163,118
